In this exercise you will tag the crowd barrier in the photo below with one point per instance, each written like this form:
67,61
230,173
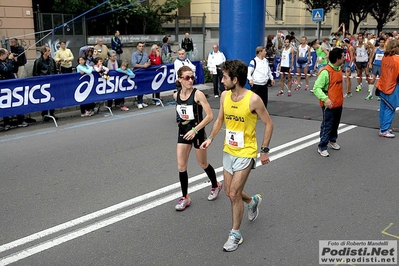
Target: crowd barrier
28,95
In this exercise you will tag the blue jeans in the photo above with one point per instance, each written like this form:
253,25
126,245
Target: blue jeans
140,99
388,105
329,126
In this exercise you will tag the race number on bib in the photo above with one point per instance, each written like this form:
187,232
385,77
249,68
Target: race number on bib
185,112
235,138
379,57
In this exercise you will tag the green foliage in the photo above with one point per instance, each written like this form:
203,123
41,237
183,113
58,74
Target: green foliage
384,12
149,14
327,5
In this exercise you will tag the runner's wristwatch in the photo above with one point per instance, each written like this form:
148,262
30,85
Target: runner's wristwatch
264,149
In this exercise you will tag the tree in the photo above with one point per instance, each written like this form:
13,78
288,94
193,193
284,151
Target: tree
327,5
149,15
383,12
358,10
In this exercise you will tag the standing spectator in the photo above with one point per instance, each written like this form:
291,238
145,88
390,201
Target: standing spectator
140,60
44,66
6,72
85,109
188,46
329,89
259,74
389,88
112,63
215,59
182,60
101,48
166,51
64,57
156,60
116,45
19,58
240,143
190,105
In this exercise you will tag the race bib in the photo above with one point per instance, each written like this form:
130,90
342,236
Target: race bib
235,138
185,112
379,56
301,54
284,57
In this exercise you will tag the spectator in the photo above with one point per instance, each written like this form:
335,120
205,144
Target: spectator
389,88
215,59
140,60
188,46
182,60
44,66
89,53
259,73
113,63
64,58
6,72
116,45
101,48
19,58
100,68
166,51
125,70
85,109
156,60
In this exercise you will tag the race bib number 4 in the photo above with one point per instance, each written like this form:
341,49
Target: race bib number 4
235,138
185,112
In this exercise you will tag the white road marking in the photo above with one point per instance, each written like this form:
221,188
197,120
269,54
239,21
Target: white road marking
127,214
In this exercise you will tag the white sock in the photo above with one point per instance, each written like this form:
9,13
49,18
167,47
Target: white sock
235,231
371,89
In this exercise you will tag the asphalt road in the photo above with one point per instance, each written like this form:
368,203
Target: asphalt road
101,190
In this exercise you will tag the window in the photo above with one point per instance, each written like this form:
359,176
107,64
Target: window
279,9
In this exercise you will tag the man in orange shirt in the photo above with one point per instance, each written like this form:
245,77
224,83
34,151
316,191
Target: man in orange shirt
388,88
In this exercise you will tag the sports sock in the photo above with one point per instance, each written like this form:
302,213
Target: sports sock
235,231
371,89
183,176
212,175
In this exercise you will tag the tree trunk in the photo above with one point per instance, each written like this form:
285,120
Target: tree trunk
380,25
355,26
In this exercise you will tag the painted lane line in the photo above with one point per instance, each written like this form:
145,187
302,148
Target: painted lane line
95,226
138,199
389,234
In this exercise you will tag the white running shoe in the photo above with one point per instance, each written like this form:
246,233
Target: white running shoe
213,195
253,211
233,241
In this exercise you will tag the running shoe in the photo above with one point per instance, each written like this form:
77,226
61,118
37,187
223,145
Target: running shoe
306,87
386,134
298,87
145,105
140,106
23,124
280,93
358,88
124,108
347,95
233,241
311,91
184,202
378,98
334,145
369,97
253,211
213,195
323,153
289,94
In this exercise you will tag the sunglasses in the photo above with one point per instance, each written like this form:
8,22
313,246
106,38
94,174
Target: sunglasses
187,78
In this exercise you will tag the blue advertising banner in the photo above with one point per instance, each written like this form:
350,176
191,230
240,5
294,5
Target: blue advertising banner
23,96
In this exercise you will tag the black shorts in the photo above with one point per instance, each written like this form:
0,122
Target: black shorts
361,65
285,70
197,140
